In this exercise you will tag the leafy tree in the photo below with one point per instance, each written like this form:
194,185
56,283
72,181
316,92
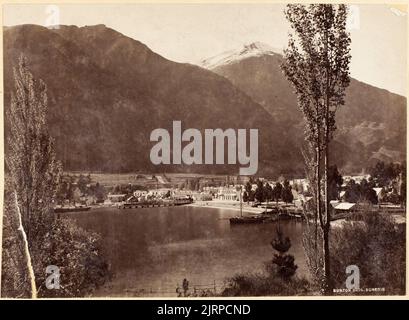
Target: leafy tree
277,191
352,192
286,193
62,191
248,192
99,192
335,182
367,192
259,193
360,192
283,261
82,183
77,195
392,176
34,174
317,65
383,173
245,197
30,160
268,192
278,279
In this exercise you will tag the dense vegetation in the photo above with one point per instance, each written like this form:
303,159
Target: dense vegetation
34,237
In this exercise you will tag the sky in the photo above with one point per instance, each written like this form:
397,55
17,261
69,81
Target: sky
192,32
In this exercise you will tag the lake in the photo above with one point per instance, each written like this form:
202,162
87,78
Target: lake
151,250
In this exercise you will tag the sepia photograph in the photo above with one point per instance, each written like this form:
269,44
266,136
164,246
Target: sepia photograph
204,150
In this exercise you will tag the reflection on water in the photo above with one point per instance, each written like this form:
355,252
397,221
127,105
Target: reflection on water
156,248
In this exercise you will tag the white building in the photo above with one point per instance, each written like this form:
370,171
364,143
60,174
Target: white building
228,193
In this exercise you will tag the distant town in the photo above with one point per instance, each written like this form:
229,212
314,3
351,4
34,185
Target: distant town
382,188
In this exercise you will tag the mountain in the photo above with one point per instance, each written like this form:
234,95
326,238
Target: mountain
107,92
371,126
254,49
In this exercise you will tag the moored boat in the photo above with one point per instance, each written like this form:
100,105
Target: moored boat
249,219
71,209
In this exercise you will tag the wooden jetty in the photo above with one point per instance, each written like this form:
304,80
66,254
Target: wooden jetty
71,209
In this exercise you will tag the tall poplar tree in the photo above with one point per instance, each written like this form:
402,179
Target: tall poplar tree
33,231
317,64
30,159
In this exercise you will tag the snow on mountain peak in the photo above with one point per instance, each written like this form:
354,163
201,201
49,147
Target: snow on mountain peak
254,49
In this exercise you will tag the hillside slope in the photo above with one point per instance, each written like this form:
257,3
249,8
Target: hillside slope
371,125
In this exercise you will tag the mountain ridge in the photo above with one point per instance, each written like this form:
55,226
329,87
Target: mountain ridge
371,121
231,56
107,92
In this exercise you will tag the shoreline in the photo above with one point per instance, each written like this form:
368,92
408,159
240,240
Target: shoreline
227,206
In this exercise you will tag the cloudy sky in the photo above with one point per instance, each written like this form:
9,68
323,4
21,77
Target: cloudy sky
192,32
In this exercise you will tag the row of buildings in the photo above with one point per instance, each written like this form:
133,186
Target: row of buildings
300,190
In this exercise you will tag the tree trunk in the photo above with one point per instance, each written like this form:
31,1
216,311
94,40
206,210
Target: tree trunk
318,212
327,226
326,229
327,269
27,255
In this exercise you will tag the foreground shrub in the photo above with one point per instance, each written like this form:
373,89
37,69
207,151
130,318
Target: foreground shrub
377,245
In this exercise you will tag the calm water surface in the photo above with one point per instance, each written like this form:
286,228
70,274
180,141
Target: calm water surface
156,248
